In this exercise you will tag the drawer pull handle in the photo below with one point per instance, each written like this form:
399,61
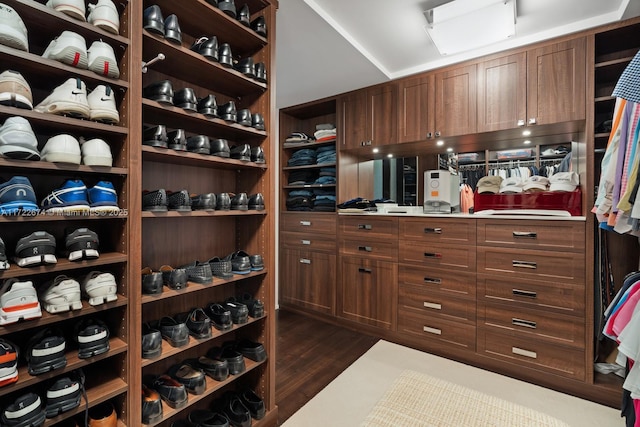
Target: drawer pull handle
364,270
523,352
365,227
305,242
434,331
433,305
305,261
525,235
521,293
433,230
431,280
432,255
524,264
305,223
521,322
365,248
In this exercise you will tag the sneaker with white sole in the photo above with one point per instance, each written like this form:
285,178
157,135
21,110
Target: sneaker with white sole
18,300
17,139
102,60
100,288
4,261
8,362
17,197
70,98
61,294
71,198
73,8
13,32
15,90
62,396
103,198
45,351
38,248
102,103
26,410
69,48
104,15
82,243
96,152
62,148
92,336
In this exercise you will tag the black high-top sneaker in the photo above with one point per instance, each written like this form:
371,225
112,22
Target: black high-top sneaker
82,243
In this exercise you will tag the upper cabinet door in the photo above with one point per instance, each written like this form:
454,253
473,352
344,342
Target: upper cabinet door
352,113
556,83
415,108
381,115
502,93
456,95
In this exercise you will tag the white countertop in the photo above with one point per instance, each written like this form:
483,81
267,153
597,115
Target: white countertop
417,212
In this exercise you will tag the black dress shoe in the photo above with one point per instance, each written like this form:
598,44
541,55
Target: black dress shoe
233,408
205,418
257,155
220,147
221,268
254,403
240,262
151,405
256,202
199,272
240,202
241,152
177,140
255,306
155,136
179,201
239,311
257,121
234,359
208,106
192,378
172,31
227,112
251,350
161,91
207,47
151,281
171,391
244,15
228,7
225,57
174,278
220,316
153,20
197,321
176,333
223,202
246,66
151,342
216,369
203,202
261,72
244,117
185,99
154,201
198,144
259,25
256,261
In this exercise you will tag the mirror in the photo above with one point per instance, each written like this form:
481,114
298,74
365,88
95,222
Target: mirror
397,179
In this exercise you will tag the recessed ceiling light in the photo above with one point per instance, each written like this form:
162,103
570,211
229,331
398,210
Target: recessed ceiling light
389,155
527,142
526,132
449,150
375,150
439,143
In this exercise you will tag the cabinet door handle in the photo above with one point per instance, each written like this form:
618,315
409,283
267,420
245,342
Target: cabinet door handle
521,122
521,322
521,293
365,248
432,305
532,121
431,230
525,235
523,352
524,264
305,242
429,135
364,270
305,261
432,280
365,227
432,255
431,330
437,134
305,223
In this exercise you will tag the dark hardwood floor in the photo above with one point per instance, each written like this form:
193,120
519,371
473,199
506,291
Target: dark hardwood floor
310,354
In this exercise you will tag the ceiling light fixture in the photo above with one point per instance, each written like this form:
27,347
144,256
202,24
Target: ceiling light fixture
375,150
389,155
462,25
439,143
527,142
526,132
449,150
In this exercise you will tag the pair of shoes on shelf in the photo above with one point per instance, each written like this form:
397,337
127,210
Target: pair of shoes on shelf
243,263
71,48
103,14
65,148
169,28
73,197
173,278
160,200
39,247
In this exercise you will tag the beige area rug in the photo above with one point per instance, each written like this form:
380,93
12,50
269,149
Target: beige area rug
419,400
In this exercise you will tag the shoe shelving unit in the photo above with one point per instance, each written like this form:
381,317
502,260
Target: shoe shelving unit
109,375
180,238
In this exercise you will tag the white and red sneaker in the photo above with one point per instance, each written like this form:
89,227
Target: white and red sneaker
69,48
18,300
102,60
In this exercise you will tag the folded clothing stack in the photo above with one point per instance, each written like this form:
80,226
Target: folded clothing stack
297,138
325,132
326,155
302,157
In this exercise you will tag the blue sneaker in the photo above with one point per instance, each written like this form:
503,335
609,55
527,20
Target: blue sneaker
103,198
17,196
71,198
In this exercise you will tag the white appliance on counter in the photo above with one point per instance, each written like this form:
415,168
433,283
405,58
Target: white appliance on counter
441,192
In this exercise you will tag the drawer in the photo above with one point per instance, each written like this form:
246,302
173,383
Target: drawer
308,223
558,360
458,257
433,280
419,300
565,267
457,334
546,235
369,248
438,230
534,325
560,297
307,241
369,226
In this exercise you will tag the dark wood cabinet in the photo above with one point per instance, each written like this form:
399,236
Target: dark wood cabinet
416,108
352,113
367,117
456,97
308,280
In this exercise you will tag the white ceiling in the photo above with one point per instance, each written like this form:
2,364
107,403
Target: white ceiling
327,47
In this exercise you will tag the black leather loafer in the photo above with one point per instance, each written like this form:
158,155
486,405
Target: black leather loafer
255,306
153,20
228,112
243,117
216,369
225,57
151,405
252,350
177,140
239,311
185,99
223,202
220,316
220,268
154,201
155,136
228,7
261,72
254,403
220,147
171,391
208,106
151,342
199,272
198,144
234,359
257,155
204,418
259,25
246,67
256,262
207,47
244,15
233,408
161,92
179,201
203,202
257,121
197,321
256,202
241,152
151,281
192,378
176,333
240,202
240,262
172,31
174,278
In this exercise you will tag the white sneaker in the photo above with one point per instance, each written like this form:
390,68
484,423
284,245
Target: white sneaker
96,152
104,15
100,287
18,300
62,148
17,140
68,98
13,32
63,294
102,60
15,91
73,8
102,103
69,48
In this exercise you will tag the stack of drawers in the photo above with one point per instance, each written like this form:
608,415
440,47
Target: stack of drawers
531,294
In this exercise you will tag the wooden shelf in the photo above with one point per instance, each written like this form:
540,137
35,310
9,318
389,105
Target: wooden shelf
63,265
307,144
201,214
166,155
302,187
41,217
614,62
61,167
316,166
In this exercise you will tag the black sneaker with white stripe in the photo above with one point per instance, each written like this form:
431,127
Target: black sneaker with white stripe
38,248
62,396
25,411
45,351
8,362
4,262
82,243
93,338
